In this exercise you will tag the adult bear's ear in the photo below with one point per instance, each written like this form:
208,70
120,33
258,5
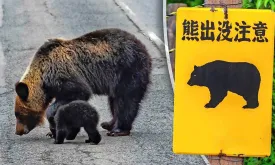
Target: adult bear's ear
22,90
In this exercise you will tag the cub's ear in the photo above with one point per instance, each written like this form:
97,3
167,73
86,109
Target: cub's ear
195,67
22,90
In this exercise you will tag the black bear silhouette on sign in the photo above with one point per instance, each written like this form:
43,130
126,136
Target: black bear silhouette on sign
220,77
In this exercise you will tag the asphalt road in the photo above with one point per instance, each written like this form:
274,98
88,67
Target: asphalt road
24,26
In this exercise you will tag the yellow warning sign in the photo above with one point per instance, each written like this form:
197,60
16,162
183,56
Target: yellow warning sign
223,82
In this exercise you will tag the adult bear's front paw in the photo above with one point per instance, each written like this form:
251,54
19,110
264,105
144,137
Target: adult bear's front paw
50,135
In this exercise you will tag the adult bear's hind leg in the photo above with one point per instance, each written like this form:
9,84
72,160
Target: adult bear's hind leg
126,112
128,95
109,125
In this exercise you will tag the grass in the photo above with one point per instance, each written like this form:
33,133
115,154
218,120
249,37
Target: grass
189,3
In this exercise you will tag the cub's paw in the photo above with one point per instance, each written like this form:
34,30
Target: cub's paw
88,141
96,138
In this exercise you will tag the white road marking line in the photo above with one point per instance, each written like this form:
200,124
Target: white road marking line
124,6
2,66
166,45
1,13
2,57
132,16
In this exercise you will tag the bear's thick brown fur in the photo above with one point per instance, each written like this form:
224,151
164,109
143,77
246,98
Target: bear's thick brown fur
108,62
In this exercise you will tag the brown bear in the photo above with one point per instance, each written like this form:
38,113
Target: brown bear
108,62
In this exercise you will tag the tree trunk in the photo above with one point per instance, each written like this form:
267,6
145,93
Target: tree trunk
171,31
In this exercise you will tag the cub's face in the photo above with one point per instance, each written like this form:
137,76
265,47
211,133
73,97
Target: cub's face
196,77
27,111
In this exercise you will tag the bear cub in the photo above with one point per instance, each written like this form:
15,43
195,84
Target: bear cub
66,120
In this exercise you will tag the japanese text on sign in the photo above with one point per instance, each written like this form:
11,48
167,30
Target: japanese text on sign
207,28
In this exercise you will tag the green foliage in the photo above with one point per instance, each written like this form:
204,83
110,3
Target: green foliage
264,4
263,161
259,4
247,4
174,1
189,3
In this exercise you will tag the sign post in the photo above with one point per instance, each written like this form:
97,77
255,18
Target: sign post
223,82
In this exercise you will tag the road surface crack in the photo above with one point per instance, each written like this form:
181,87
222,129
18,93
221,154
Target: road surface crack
18,50
48,10
7,92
